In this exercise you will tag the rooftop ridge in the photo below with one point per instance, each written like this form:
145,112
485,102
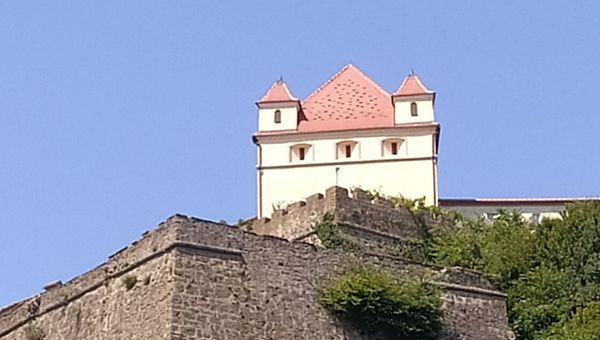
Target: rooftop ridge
278,86
423,89
337,74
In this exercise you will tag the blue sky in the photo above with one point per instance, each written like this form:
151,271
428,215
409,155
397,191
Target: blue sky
115,115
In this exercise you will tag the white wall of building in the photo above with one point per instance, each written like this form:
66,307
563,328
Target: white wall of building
403,112
415,144
284,179
289,117
412,179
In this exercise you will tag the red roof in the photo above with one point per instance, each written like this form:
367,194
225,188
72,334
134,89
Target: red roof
349,100
412,85
279,92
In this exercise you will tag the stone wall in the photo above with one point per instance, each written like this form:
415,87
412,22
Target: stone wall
98,306
212,281
296,221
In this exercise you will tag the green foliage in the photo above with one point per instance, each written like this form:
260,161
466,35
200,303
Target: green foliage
33,332
548,270
378,304
129,281
331,237
539,299
503,248
584,325
460,247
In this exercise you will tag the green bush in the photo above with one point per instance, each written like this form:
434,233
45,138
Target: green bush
377,304
33,332
584,325
540,299
129,281
548,270
503,248
330,236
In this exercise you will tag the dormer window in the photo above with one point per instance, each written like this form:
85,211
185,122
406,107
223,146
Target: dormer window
391,147
277,117
346,149
299,152
413,109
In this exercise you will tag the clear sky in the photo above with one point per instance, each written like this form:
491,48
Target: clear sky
115,115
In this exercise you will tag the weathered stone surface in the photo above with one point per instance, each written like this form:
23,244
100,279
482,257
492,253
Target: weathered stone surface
378,215
211,281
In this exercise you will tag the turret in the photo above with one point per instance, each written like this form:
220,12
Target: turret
278,109
413,102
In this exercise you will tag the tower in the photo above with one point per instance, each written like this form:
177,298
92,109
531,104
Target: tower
349,132
278,109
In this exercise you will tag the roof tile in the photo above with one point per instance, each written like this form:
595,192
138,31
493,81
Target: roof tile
412,85
279,92
349,100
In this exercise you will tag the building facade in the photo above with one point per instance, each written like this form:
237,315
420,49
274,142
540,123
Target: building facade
350,132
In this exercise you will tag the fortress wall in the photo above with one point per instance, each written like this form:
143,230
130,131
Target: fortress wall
475,316
271,291
297,219
212,281
96,305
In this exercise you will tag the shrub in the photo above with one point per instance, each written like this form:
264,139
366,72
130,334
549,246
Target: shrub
129,281
33,332
584,325
539,299
504,248
330,236
379,305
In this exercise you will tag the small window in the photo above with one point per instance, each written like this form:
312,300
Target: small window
347,150
299,152
277,116
391,147
413,109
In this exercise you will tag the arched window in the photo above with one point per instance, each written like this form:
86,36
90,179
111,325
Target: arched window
277,117
391,146
413,109
346,149
299,152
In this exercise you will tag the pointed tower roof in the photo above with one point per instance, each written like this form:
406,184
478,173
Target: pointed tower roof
349,100
412,86
279,92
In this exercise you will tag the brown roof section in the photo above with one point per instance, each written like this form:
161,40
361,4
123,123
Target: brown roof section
279,92
412,86
349,100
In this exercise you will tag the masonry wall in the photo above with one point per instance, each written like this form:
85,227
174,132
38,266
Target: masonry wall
296,221
98,306
212,281
271,292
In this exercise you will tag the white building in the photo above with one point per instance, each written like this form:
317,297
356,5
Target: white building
350,132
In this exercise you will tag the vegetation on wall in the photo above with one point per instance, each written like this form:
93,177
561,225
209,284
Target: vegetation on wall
129,281
550,271
378,304
331,237
33,332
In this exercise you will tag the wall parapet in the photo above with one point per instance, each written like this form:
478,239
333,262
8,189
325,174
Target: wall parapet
356,208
